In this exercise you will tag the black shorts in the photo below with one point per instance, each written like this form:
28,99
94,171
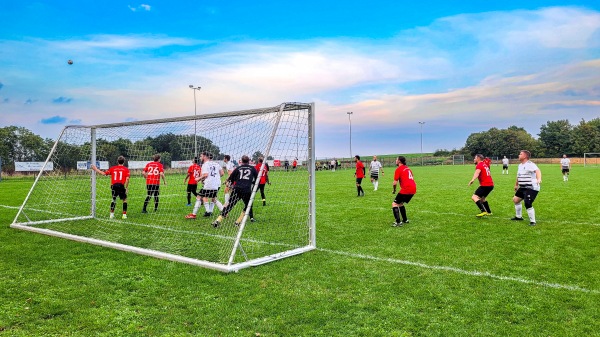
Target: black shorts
565,170
192,188
403,198
505,167
374,176
359,180
208,193
118,190
153,189
526,194
483,191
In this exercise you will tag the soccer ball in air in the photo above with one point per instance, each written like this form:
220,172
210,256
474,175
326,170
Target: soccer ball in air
70,61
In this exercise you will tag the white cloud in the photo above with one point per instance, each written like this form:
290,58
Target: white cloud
143,7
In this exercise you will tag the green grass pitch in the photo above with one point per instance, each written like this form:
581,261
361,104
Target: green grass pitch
447,273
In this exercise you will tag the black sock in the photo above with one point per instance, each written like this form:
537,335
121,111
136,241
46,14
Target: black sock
358,190
403,212
124,207
361,190
112,206
189,197
487,207
155,203
396,214
146,203
480,205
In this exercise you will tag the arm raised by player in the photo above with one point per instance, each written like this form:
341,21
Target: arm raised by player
93,167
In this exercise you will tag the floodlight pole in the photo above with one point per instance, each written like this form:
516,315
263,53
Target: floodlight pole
350,121
421,123
195,121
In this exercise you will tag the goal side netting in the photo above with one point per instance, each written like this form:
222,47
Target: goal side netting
73,202
591,159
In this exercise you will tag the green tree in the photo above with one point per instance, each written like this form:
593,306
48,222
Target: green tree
555,138
586,137
499,142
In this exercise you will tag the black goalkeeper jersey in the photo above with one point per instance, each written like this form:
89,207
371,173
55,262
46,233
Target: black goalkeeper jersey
243,177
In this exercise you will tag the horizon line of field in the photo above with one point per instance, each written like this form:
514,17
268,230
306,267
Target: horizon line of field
474,273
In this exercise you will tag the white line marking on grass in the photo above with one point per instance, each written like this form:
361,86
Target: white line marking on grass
461,271
382,259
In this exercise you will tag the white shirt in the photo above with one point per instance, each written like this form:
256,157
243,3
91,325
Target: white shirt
565,162
213,180
229,167
375,166
526,176
505,161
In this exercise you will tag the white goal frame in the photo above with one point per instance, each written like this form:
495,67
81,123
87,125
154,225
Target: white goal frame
307,234
457,157
586,158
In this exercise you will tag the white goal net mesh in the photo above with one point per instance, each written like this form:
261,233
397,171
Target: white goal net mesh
72,201
591,159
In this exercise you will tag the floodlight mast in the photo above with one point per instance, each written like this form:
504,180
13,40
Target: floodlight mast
195,121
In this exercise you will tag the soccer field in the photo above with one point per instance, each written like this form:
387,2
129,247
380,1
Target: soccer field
446,273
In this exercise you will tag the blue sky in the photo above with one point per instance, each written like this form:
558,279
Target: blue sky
460,67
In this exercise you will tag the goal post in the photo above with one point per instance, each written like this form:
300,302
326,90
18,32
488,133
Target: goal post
458,159
72,201
591,159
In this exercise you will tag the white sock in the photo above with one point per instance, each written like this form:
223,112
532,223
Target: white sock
207,206
196,206
376,184
226,198
518,210
211,206
219,205
531,214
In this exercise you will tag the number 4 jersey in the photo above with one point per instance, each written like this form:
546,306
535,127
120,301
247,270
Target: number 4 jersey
407,182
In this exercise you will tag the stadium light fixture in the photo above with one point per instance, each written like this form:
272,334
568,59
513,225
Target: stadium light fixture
421,123
195,121
350,121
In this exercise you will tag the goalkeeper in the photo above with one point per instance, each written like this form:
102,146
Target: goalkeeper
242,179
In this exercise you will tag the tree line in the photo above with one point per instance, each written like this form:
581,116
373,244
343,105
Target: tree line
18,144
555,139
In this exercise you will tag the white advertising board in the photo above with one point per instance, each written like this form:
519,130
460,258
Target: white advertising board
32,166
86,165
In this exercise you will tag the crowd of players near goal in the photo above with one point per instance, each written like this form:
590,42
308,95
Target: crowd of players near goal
527,184
238,185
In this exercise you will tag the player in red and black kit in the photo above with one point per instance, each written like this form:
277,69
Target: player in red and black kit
119,182
153,172
359,174
264,179
193,174
408,188
486,185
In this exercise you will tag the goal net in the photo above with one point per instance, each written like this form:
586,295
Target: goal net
73,202
591,159
458,159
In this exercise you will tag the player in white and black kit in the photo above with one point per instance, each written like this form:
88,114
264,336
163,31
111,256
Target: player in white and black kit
229,167
565,164
211,177
242,179
505,165
374,169
527,187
